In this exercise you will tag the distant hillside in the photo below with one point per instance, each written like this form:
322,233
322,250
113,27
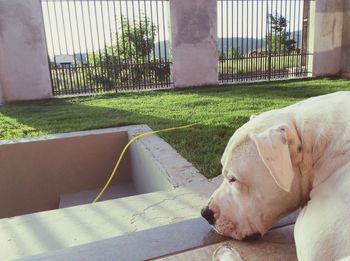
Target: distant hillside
244,45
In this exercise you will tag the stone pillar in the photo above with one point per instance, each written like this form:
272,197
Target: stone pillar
194,42
1,95
311,36
24,69
345,63
328,37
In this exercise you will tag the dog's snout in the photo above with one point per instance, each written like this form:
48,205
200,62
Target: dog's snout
208,214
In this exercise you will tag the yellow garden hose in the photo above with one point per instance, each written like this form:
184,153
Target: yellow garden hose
126,147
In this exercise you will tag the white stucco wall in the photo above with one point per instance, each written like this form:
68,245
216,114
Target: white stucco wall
194,47
328,37
24,71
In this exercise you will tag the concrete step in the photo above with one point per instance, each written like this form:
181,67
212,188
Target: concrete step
42,232
85,197
141,245
192,239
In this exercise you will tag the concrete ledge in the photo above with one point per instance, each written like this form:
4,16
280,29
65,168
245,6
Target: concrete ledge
278,244
141,245
178,171
193,237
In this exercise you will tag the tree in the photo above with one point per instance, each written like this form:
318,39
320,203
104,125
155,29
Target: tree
129,58
279,38
222,55
233,52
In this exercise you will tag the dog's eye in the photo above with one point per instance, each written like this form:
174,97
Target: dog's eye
231,179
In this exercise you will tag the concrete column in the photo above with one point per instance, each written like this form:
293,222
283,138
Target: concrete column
328,37
311,36
1,95
345,63
24,69
194,42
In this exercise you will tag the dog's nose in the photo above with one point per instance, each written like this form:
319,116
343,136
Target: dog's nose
208,214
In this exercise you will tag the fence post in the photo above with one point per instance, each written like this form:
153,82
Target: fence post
24,70
194,42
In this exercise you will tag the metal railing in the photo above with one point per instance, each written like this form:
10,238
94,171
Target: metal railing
262,40
107,45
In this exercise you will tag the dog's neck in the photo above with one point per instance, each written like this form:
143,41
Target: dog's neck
324,149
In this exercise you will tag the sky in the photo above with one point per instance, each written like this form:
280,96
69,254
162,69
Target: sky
249,18
94,24
84,26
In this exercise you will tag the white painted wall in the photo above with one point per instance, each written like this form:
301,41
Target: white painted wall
24,70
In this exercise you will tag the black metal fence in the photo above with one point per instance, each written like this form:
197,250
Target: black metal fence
107,45
262,39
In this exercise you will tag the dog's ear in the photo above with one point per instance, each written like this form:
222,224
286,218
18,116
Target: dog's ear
273,149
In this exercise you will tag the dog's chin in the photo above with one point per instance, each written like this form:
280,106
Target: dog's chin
237,235
227,231
255,236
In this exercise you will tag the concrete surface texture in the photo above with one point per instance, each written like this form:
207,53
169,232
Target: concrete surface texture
346,41
120,190
194,46
328,37
142,245
41,232
192,239
278,244
24,69
153,153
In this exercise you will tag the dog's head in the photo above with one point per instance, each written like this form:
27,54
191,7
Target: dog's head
260,183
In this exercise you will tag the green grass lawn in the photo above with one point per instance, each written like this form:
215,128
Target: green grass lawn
220,110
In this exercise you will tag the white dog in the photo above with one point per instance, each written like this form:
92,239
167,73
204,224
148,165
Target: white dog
298,156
